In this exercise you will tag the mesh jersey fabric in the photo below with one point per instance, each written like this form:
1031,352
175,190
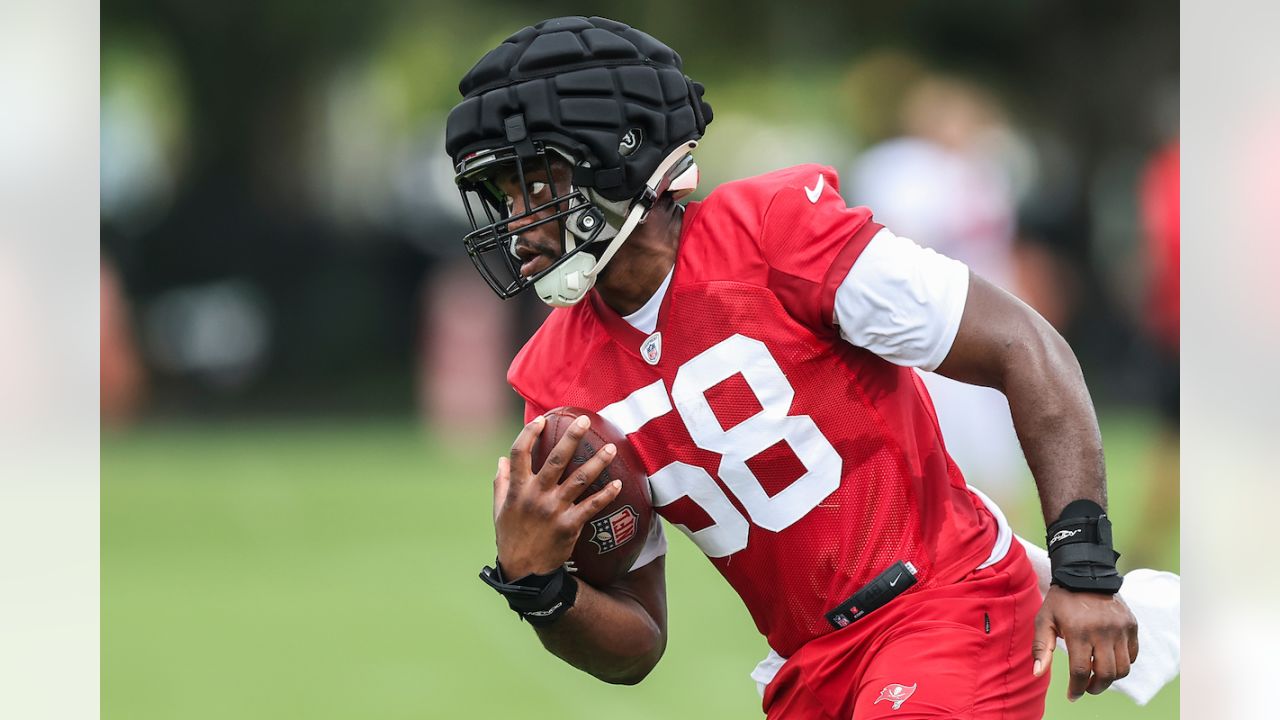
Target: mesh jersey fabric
803,466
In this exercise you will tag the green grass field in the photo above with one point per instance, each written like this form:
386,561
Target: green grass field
329,571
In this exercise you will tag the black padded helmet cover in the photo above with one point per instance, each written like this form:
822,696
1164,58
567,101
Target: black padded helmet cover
585,85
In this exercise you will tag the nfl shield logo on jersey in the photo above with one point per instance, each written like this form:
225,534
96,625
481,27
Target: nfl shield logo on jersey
896,694
651,350
615,530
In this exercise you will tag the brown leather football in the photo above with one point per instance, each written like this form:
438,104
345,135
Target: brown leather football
611,540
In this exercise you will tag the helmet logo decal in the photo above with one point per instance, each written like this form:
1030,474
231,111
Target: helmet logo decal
630,142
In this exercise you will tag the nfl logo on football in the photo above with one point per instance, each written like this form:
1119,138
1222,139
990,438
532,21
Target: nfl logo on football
614,530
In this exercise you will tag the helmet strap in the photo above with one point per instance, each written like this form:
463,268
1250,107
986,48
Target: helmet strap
574,278
568,282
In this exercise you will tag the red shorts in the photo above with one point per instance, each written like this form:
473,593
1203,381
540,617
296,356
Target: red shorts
960,651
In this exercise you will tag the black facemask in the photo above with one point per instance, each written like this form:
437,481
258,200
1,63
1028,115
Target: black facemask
491,242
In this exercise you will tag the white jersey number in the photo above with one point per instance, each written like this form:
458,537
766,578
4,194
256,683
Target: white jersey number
737,445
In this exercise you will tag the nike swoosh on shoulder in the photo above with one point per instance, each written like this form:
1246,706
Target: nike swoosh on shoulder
816,191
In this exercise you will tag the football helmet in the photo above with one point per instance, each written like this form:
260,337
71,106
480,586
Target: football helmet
599,118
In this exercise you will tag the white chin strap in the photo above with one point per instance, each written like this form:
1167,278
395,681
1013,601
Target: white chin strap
574,278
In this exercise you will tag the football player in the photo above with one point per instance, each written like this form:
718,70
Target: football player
758,348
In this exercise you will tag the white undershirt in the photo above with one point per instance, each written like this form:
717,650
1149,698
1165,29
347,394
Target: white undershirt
646,318
902,302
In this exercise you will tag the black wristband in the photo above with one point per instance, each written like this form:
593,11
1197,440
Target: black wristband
538,599
1080,554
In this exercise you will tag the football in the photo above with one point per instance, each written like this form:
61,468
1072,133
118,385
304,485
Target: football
611,540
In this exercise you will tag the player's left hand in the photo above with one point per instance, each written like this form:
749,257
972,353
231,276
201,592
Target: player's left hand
1100,632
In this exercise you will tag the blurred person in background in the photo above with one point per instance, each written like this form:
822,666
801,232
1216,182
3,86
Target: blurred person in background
122,379
945,182
774,313
1160,216
458,355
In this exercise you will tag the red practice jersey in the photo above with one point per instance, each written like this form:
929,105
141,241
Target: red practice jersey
801,465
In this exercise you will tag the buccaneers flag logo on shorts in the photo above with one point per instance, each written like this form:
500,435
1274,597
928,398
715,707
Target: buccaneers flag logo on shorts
896,694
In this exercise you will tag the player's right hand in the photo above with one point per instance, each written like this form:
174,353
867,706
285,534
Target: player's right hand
534,516
1100,632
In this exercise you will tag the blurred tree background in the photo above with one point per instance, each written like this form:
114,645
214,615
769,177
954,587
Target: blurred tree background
275,195
284,293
